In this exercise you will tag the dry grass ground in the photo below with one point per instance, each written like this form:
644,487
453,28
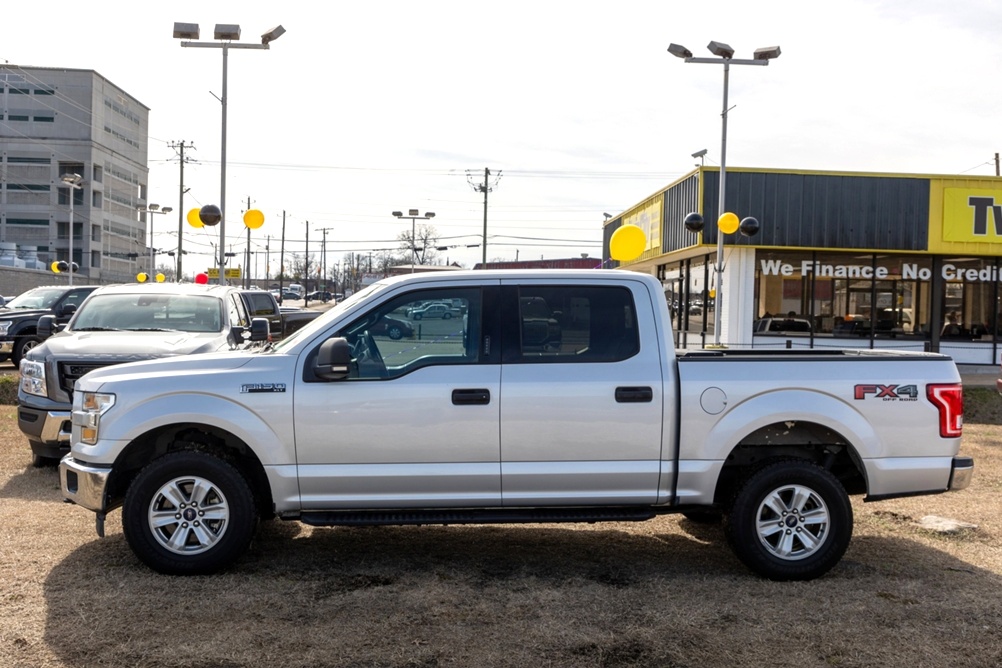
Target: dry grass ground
663,593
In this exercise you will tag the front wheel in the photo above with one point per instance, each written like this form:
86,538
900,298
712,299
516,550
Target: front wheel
189,513
21,348
791,520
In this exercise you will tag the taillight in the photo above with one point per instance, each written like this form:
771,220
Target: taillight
949,399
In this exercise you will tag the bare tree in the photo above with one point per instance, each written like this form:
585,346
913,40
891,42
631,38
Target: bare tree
423,245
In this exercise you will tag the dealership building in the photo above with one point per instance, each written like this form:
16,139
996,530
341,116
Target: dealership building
840,260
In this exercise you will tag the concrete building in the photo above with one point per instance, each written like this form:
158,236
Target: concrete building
840,260
56,121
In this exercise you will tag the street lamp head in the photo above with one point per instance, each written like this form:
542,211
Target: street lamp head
720,49
185,30
71,179
153,207
272,34
767,53
429,214
679,51
227,31
700,153
398,214
413,212
166,209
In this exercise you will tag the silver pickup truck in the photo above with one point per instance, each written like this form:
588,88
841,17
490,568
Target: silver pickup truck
464,423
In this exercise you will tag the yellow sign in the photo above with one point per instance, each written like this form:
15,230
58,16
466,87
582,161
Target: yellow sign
972,215
648,218
213,272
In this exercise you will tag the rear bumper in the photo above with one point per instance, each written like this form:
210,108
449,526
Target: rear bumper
961,473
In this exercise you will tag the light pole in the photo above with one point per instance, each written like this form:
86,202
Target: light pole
227,34
71,182
414,214
725,57
153,209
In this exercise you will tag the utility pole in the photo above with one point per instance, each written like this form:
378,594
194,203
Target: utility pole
247,276
306,272
179,147
484,188
281,259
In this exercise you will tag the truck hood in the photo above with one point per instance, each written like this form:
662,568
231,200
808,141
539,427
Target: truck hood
128,346
22,313
174,367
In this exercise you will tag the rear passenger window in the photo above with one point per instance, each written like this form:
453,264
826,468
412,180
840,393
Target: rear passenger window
576,324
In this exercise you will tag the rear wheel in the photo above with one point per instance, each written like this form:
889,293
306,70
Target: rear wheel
791,520
189,513
394,332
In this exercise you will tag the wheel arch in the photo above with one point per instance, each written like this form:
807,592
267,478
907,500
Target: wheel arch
802,424
180,436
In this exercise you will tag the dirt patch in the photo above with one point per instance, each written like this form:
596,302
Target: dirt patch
665,593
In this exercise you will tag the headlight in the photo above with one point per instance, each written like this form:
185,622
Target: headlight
4,326
93,405
33,378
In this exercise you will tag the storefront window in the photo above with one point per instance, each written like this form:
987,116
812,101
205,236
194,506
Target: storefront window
970,302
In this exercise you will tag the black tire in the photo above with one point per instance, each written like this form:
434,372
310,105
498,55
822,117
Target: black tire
197,480
395,333
791,520
417,316
446,316
21,348
704,515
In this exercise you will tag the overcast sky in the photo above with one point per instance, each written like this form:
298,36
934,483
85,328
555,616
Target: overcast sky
364,108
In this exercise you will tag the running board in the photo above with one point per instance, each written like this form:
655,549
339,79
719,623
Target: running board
475,516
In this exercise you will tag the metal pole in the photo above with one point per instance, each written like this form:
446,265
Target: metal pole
719,299
150,242
72,191
222,172
413,245
487,173
180,217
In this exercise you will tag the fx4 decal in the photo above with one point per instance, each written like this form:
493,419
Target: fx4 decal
886,392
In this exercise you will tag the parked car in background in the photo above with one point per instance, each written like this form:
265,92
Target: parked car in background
789,325
320,296
282,320
19,317
434,310
392,327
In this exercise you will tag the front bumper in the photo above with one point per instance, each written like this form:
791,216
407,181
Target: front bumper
6,347
48,430
961,472
84,484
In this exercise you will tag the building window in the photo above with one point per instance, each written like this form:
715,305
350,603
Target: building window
18,117
45,119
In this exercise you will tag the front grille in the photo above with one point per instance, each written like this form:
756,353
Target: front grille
69,372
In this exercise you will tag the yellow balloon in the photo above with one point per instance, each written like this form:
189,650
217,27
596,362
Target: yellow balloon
728,223
253,219
627,243
55,266
193,218
161,278
141,277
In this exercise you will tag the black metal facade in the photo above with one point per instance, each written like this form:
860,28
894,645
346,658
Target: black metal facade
817,210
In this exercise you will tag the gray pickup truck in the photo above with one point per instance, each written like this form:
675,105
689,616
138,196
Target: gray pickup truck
473,422
118,324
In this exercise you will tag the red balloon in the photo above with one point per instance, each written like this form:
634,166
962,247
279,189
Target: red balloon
201,279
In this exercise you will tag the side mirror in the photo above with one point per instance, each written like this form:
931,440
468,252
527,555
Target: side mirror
67,310
333,359
47,326
260,329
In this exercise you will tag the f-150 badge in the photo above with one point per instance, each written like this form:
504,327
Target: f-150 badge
262,387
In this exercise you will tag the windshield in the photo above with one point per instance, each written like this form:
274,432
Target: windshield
321,322
37,298
146,312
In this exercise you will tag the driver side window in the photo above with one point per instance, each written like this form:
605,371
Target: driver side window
415,330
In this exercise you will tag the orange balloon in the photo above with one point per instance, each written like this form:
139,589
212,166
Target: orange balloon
193,218
728,223
253,219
